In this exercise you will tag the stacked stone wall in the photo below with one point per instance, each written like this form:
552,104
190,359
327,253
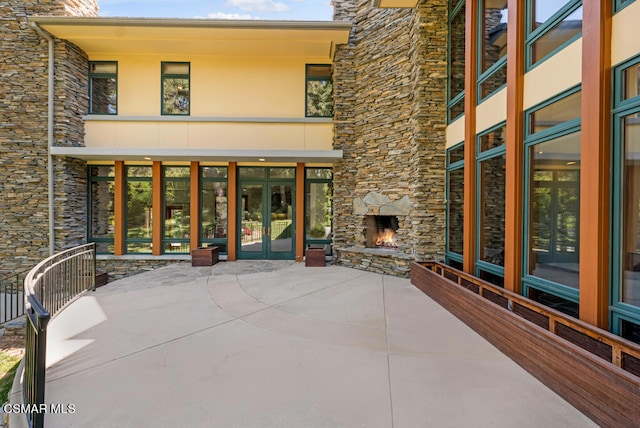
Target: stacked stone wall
24,234
390,122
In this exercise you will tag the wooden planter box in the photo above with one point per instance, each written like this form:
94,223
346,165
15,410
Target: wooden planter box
543,342
204,256
314,257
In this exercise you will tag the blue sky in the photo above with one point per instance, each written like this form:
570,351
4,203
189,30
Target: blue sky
307,10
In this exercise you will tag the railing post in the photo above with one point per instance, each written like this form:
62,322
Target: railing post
94,270
35,361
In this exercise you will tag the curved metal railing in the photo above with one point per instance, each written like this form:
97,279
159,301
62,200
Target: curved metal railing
49,287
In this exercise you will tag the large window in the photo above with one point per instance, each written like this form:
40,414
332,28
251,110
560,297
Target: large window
455,205
139,226
176,211
626,202
318,208
214,221
552,202
319,91
551,25
456,58
175,88
100,205
103,87
492,70
491,188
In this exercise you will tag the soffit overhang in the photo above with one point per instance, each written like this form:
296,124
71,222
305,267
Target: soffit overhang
98,36
199,155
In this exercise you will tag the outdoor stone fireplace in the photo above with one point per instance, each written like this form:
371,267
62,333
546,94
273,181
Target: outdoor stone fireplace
381,219
390,118
380,231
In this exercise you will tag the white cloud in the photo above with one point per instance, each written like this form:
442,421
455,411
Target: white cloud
237,16
258,5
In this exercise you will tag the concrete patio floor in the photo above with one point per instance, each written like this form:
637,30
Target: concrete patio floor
278,344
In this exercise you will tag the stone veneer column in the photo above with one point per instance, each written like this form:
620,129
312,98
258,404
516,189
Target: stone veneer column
23,134
390,120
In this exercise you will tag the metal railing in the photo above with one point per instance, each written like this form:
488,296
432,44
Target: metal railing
49,288
11,297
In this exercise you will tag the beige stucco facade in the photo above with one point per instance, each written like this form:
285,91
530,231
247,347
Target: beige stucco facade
247,85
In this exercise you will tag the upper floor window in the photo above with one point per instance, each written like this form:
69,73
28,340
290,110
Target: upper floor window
492,72
456,59
319,91
551,25
103,87
175,88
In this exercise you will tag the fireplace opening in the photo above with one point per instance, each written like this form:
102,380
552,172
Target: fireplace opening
380,231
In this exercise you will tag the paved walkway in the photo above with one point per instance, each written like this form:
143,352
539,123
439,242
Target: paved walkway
277,344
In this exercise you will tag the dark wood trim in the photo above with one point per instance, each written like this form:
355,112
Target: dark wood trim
119,198
156,186
514,147
595,163
470,98
300,212
232,208
601,389
195,205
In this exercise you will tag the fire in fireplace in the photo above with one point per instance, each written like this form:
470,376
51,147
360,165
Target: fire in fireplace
380,231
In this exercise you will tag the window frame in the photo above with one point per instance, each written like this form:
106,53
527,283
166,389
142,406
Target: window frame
574,125
618,310
212,241
618,5
542,135
90,180
495,68
325,243
128,240
92,75
181,179
481,156
532,36
458,98
308,79
452,166
164,76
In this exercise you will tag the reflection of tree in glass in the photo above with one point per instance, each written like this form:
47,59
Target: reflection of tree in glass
176,96
214,210
320,98
177,202
139,209
103,95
